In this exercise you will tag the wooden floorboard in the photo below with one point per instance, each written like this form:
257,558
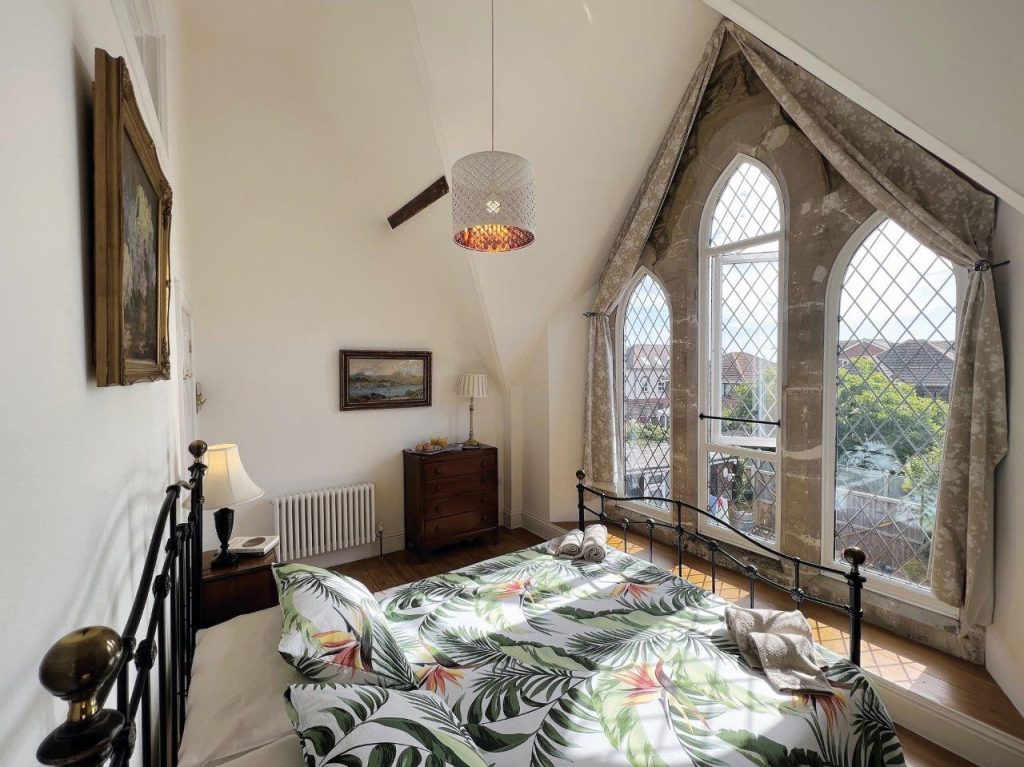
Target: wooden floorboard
405,566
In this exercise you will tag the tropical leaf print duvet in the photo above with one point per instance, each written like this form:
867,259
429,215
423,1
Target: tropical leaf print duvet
554,662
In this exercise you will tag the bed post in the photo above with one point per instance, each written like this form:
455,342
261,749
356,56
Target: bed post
196,471
580,476
856,557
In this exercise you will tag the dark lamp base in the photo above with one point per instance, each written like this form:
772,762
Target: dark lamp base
224,522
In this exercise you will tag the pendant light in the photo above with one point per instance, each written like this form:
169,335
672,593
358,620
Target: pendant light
492,195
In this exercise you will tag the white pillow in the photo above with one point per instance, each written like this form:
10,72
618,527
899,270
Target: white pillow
234,700
334,630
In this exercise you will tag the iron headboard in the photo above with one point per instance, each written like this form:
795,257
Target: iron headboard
856,557
84,666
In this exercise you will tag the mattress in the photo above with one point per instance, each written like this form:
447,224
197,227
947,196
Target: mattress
556,662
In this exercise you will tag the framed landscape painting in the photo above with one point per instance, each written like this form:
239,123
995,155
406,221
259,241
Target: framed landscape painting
382,379
132,226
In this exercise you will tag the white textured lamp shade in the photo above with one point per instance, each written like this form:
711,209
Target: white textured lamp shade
493,202
226,483
472,385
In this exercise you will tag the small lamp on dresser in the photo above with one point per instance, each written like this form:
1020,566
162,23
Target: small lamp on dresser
227,484
472,385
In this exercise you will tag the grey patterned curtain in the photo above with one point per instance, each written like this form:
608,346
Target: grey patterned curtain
938,207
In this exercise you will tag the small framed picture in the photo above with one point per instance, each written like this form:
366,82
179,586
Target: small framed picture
384,379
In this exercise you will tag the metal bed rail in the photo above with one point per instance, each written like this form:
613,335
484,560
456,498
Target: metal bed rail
82,667
854,576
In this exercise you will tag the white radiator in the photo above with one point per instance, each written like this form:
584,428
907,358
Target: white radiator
325,520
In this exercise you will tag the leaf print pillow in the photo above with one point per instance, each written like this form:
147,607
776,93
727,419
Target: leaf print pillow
355,725
334,630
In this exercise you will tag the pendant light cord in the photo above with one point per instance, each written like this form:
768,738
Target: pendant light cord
492,75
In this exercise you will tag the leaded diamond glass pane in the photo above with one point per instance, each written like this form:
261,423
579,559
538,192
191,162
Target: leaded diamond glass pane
897,322
646,391
748,207
748,296
741,491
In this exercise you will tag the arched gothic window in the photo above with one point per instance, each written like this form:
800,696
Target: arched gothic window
888,374
646,386
741,246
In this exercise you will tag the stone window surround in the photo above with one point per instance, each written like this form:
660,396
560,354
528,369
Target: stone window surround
824,212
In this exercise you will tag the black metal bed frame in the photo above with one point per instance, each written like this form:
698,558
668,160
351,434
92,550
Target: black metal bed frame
856,557
83,666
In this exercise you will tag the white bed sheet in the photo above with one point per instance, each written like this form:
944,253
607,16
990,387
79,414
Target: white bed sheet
235,714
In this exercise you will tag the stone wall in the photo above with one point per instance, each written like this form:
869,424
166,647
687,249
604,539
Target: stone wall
822,211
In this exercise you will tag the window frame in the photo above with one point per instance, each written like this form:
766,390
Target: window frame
620,355
918,596
708,380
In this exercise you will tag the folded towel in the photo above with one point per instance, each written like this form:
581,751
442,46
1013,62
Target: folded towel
569,545
789,662
594,540
742,622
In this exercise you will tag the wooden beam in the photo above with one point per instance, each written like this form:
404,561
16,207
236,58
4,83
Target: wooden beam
431,194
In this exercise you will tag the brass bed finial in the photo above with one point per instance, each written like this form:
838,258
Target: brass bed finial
75,669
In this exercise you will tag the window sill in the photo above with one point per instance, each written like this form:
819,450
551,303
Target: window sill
655,513
725,535
877,584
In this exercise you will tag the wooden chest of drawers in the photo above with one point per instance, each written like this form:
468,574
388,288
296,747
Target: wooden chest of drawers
450,497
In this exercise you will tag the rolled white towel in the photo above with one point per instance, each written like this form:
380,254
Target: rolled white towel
569,545
594,543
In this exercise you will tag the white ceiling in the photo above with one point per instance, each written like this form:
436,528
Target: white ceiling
585,91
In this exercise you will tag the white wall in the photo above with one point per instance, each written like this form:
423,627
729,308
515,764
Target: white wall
551,381
1004,649
83,468
297,146
567,374
944,72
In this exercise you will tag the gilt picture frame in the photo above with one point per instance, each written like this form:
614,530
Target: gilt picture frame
132,219
377,380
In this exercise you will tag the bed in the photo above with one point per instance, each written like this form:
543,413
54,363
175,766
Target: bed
550,662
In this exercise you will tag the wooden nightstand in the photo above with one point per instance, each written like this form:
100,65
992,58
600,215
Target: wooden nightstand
230,591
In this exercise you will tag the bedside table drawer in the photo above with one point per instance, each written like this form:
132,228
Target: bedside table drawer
232,591
471,521
444,507
466,483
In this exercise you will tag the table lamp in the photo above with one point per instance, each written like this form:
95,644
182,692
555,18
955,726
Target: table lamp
472,385
226,485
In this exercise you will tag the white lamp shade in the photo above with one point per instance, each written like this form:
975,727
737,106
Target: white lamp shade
472,385
226,483
493,202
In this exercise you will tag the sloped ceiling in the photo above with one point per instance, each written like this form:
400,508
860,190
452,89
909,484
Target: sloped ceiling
585,91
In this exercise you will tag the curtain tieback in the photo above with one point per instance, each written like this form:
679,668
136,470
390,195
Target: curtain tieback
984,266
595,314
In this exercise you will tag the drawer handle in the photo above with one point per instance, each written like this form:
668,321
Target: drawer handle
437,488
483,499
437,470
483,464
436,508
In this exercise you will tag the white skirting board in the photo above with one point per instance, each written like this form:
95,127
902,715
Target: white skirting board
543,528
954,730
